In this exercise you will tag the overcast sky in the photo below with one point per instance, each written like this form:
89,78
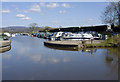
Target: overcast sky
52,14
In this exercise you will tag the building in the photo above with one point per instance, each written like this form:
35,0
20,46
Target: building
100,28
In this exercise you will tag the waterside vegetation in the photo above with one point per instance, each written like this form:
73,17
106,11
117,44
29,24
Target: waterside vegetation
111,42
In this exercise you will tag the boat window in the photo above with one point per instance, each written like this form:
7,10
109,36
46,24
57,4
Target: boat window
71,35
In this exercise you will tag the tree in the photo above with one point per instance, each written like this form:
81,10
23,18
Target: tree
111,15
47,28
33,26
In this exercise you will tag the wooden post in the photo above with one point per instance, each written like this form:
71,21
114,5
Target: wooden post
92,40
106,37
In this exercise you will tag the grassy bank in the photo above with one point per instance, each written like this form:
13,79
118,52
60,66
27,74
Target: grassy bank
111,42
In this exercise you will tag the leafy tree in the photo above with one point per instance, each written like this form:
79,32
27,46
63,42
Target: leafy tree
47,28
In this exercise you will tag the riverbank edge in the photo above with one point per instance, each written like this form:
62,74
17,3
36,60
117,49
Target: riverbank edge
50,43
5,45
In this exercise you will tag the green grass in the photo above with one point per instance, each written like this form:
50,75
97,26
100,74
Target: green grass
111,42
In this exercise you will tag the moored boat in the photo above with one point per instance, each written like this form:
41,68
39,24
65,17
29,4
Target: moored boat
13,35
56,35
5,44
77,36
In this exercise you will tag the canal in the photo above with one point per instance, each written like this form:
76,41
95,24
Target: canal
29,59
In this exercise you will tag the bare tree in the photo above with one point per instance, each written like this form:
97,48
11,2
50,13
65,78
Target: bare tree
111,15
33,26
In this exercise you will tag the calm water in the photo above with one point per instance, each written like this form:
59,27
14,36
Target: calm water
29,59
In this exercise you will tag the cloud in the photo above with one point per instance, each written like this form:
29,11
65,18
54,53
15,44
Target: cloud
25,18
90,20
53,60
20,15
36,57
25,11
35,8
66,59
6,11
65,5
17,10
52,5
49,5
62,11
42,4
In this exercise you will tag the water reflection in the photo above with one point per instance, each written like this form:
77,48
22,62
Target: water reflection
63,48
29,59
91,51
8,56
111,60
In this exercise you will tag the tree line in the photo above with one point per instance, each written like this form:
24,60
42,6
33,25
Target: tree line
34,27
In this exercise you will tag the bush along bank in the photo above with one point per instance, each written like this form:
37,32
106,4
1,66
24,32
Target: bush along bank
114,41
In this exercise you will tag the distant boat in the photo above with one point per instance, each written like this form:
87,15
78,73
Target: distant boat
25,34
8,34
34,34
13,35
56,36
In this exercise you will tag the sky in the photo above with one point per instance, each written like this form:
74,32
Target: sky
53,14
